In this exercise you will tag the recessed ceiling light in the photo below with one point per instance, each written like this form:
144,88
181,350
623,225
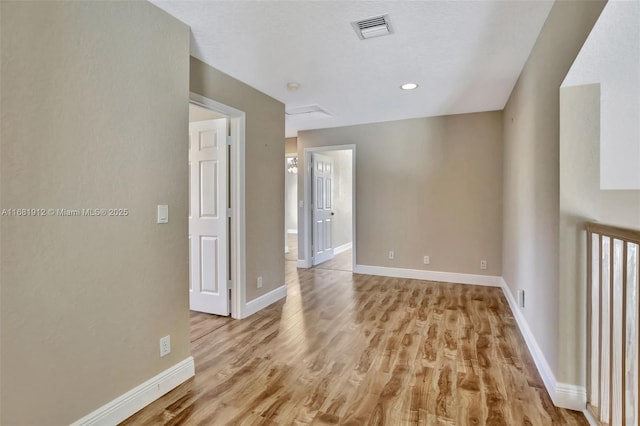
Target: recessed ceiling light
409,86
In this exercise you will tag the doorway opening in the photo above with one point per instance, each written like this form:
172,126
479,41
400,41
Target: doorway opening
216,208
329,229
291,207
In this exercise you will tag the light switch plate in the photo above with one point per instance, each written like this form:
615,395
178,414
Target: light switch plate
163,213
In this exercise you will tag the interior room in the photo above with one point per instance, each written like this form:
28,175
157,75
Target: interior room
382,212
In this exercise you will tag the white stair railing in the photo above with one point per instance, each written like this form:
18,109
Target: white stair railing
613,315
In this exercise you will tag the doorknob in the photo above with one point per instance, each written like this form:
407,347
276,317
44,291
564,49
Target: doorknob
333,214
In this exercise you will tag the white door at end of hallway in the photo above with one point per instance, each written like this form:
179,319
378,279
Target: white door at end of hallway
208,283
322,193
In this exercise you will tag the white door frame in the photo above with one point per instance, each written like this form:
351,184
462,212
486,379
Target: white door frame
306,212
237,199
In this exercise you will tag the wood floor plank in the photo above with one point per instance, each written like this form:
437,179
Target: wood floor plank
355,349
202,324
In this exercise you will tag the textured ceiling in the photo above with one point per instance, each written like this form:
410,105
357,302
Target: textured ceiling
465,55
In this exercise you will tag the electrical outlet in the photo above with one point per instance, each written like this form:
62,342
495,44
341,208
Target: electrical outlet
483,264
521,298
426,260
392,255
165,346
259,284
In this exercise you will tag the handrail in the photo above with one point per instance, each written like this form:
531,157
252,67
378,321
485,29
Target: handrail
628,235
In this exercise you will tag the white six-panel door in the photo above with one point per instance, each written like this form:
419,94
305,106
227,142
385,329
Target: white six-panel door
208,217
322,193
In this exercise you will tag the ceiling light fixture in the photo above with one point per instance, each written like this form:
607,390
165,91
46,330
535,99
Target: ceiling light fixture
293,86
307,112
409,86
292,165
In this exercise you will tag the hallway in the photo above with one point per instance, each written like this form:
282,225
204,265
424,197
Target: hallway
356,349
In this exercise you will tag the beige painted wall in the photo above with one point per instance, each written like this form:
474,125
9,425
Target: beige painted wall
581,201
94,115
531,169
427,186
342,196
291,145
264,154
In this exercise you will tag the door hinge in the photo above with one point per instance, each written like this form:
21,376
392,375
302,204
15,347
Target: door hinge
229,212
229,299
229,140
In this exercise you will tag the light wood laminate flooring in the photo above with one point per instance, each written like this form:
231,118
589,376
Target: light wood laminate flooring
340,262
292,243
363,350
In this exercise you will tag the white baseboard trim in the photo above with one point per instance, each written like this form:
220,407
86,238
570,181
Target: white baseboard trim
547,375
292,231
570,396
139,397
342,248
302,263
564,395
592,421
419,274
263,301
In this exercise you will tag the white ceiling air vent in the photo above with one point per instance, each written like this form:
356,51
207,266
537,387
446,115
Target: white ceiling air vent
308,112
372,27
